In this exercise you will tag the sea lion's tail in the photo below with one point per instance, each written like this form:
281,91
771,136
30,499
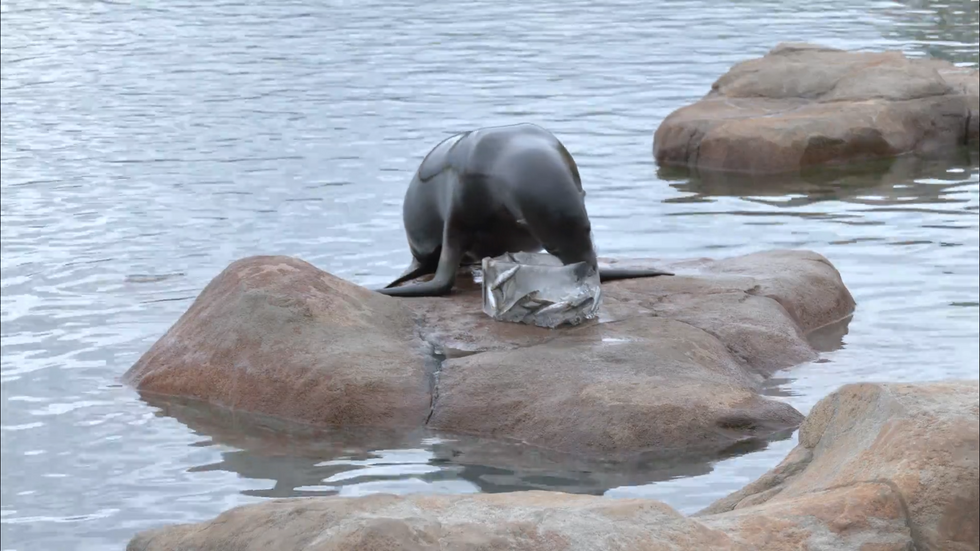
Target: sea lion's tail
612,274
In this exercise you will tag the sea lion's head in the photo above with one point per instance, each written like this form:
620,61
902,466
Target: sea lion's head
552,205
567,235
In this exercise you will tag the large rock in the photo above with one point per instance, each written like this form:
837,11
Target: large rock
913,446
890,467
277,336
804,105
674,366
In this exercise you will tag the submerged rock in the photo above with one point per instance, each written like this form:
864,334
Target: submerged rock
884,467
805,105
674,365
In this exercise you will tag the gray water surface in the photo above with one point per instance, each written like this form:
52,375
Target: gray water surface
145,145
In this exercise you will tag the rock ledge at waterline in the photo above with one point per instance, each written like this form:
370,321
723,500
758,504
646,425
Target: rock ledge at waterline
673,365
805,105
879,467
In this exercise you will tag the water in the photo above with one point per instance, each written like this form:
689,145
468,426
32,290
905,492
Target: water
147,145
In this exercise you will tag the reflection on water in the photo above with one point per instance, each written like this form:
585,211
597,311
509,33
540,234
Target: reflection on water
147,145
829,337
300,461
907,180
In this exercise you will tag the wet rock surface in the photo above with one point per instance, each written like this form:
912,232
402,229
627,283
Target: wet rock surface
883,467
673,365
804,105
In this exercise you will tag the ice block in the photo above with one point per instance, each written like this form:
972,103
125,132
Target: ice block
536,289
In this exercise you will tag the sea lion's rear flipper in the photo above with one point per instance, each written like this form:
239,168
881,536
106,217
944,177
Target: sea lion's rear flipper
612,274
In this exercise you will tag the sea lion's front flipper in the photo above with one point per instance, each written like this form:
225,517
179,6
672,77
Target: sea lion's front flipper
442,282
415,269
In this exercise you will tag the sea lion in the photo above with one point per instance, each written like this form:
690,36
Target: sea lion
490,191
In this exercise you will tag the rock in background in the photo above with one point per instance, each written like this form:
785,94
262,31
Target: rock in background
804,105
